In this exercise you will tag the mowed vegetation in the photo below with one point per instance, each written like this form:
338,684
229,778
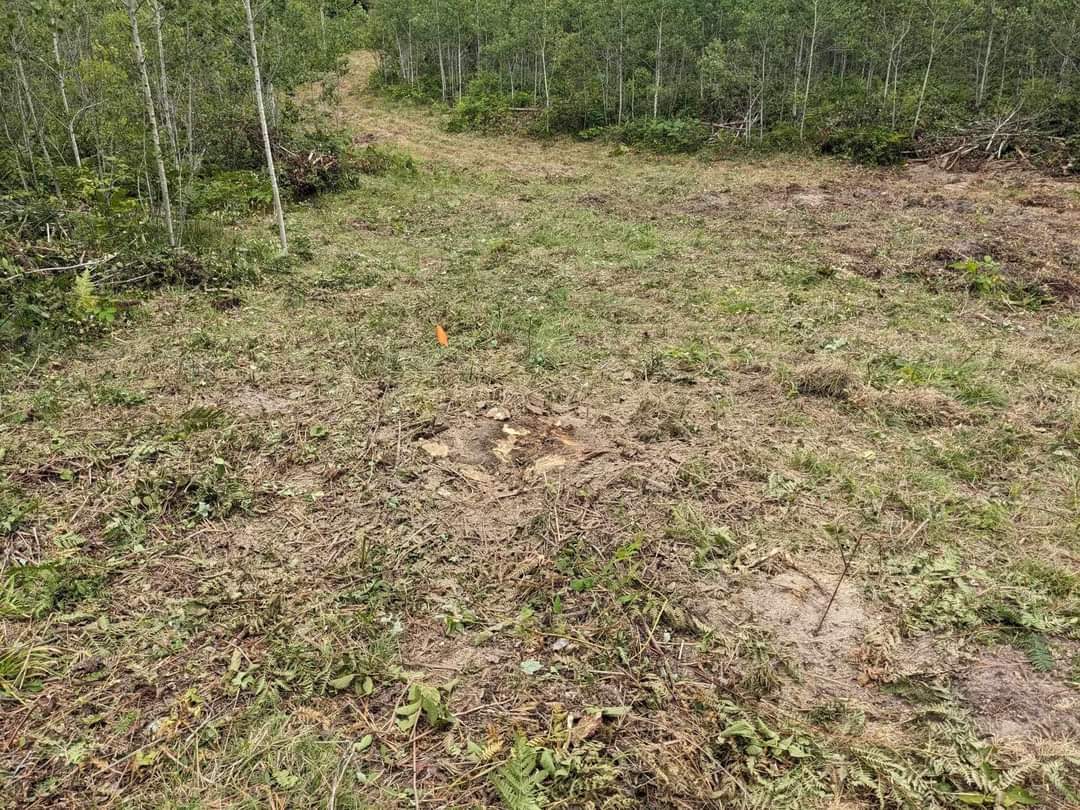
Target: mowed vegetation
738,484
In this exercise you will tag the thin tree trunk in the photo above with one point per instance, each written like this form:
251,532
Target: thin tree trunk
442,69
809,73
401,58
438,44
163,79
761,112
478,42
35,125
148,101
980,88
412,63
279,212
922,91
795,79
622,41
896,81
15,154
888,73
69,120
1004,62
659,54
543,63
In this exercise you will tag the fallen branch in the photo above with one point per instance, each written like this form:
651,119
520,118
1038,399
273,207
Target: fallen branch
62,268
843,574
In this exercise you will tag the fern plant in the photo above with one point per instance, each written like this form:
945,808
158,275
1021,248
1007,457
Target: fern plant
85,301
1037,650
518,780
84,294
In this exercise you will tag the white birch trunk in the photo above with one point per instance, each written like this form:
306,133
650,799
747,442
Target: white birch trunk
148,101
279,212
922,90
163,79
659,55
809,73
69,120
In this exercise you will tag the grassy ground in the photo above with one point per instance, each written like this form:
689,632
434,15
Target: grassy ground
740,484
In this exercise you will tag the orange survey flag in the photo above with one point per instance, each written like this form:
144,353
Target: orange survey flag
441,336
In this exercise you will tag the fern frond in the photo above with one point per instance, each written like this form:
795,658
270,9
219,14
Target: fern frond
1037,651
84,293
518,781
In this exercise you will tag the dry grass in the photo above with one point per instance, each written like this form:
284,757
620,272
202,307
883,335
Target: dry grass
602,522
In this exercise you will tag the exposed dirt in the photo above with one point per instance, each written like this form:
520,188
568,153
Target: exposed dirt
791,604
1010,699
967,215
848,655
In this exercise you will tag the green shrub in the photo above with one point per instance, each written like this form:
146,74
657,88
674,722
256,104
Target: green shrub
600,133
390,86
666,135
482,108
783,137
378,160
874,146
231,195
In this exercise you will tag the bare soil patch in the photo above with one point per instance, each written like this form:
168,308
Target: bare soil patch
1009,699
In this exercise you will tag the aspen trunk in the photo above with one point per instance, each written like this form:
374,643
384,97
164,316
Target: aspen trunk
543,63
981,95
148,102
622,41
69,120
809,73
15,152
922,90
279,212
163,80
438,43
659,54
32,118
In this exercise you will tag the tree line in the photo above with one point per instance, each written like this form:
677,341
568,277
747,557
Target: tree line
142,98
748,66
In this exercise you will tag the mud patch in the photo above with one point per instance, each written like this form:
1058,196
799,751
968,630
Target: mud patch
1010,699
596,200
940,202
794,196
808,199
440,658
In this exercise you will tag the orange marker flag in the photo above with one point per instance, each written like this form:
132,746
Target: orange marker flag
441,336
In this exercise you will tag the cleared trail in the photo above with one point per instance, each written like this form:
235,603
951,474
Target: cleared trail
608,518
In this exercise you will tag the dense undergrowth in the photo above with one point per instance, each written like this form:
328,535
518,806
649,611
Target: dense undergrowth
76,255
